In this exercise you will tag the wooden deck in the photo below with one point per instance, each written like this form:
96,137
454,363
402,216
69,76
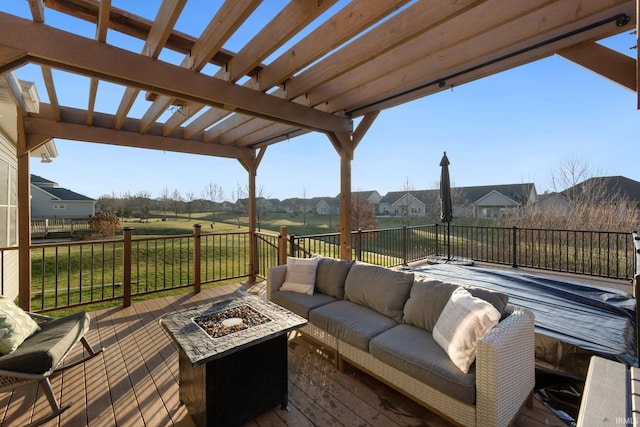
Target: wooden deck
135,382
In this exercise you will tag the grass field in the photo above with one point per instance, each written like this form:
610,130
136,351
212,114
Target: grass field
270,222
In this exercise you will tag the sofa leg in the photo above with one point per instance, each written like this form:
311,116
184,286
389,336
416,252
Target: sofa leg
339,363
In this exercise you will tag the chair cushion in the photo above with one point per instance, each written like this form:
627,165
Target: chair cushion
379,288
413,351
331,275
301,275
463,321
351,323
299,303
45,349
15,326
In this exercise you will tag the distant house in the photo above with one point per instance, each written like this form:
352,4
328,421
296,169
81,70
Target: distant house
326,205
606,189
492,201
48,200
402,203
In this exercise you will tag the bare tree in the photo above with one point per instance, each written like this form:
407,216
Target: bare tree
176,200
362,217
304,205
214,193
164,200
189,198
408,189
570,172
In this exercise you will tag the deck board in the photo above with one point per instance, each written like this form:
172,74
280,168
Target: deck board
135,381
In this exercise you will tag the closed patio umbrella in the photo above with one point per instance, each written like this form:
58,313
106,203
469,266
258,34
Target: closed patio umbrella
446,209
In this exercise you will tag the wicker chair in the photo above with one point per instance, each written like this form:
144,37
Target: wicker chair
40,356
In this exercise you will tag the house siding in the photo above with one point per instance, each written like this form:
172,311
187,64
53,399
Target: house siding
9,217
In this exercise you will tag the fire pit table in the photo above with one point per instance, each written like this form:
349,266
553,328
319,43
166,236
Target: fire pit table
232,358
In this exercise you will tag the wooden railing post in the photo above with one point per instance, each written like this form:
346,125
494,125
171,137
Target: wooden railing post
196,257
282,246
126,267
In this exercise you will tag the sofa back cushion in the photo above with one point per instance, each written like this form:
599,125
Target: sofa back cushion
331,275
429,297
301,275
379,289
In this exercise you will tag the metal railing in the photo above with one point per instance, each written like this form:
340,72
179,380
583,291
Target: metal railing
78,273
597,253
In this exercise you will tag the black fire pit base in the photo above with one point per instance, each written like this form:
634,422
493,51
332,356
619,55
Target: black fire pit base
236,388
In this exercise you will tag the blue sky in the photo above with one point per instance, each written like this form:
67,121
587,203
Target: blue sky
514,127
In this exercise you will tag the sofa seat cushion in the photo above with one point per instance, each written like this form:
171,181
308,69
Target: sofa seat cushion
413,351
351,323
379,288
45,349
299,303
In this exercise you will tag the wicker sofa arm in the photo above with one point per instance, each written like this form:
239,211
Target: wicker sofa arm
505,369
275,278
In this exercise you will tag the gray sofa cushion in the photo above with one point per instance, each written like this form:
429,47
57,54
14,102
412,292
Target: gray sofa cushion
413,351
428,298
299,303
351,323
45,349
379,288
331,275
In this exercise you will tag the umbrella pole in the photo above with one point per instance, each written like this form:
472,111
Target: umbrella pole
448,242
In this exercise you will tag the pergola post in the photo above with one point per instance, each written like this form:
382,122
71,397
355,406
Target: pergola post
24,217
253,243
251,166
345,144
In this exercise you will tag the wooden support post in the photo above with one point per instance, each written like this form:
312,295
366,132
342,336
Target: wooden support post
345,206
196,257
253,242
24,218
282,246
126,267
251,166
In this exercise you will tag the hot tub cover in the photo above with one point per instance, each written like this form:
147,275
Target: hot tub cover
573,320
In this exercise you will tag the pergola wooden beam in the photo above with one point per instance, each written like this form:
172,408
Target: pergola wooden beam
72,127
14,89
608,63
59,49
526,43
220,28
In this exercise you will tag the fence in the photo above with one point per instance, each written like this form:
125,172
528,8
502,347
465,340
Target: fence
78,273
67,226
597,253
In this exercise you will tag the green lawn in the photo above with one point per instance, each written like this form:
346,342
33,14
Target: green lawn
270,222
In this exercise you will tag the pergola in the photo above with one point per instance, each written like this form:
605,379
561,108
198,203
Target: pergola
339,63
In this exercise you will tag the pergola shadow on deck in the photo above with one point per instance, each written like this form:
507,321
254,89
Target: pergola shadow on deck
135,381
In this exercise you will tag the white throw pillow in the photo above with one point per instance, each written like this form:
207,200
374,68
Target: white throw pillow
15,326
301,275
463,321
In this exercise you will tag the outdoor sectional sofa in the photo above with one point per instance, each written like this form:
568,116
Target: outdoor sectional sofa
383,321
